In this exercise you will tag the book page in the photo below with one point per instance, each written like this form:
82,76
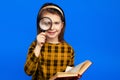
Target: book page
68,68
81,68
85,66
76,68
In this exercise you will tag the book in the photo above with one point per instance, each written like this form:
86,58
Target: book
72,73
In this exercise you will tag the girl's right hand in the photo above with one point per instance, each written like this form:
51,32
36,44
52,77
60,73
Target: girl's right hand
41,39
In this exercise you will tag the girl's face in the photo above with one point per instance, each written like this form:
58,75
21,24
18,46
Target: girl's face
57,25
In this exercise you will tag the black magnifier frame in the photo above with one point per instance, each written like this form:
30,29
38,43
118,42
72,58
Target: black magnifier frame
45,24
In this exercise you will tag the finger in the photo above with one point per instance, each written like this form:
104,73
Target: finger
43,33
79,76
41,38
41,41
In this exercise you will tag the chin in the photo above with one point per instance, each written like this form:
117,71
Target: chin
51,36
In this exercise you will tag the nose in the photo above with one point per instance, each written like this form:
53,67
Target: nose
52,27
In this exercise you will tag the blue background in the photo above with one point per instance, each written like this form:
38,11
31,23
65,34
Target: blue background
93,29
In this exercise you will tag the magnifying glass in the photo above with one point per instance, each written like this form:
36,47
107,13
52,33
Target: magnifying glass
45,23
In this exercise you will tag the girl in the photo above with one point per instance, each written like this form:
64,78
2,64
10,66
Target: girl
49,53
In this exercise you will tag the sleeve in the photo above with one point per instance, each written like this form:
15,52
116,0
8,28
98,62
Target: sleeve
31,64
71,63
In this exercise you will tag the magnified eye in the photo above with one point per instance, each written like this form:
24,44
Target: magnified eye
46,23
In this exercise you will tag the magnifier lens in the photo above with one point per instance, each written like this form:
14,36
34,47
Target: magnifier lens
45,23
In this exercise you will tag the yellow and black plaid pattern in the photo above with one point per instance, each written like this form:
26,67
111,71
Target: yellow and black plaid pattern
53,58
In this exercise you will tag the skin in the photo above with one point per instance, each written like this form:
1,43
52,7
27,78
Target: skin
50,36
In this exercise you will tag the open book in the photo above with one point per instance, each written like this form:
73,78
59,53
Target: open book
72,73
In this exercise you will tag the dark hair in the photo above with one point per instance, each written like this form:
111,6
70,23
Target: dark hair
53,11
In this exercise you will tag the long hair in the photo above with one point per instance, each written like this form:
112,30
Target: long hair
52,10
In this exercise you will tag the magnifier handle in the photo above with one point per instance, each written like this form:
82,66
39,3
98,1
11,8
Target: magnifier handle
43,30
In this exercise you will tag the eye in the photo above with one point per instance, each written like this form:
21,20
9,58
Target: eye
46,23
56,23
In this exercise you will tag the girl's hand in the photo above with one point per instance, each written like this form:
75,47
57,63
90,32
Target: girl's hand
41,39
79,76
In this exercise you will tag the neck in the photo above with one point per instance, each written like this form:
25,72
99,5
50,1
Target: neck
52,40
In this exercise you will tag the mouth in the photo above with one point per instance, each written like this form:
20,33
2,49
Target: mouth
51,32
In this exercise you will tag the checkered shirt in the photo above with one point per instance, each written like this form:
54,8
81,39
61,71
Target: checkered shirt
53,58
